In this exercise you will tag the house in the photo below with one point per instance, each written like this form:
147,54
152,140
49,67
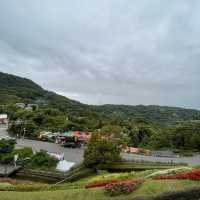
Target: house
73,138
20,105
32,107
131,150
83,137
134,150
3,119
66,136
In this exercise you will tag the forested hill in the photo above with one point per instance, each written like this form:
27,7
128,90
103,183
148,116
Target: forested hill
152,113
14,89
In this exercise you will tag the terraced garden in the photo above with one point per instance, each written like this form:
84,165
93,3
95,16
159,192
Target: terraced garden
77,190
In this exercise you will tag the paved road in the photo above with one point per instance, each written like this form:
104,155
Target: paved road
195,160
76,155
72,155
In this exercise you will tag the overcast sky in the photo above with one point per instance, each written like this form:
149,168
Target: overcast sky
106,51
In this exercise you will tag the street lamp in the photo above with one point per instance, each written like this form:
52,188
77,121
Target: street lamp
24,130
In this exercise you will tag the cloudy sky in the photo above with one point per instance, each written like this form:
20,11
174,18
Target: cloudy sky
106,51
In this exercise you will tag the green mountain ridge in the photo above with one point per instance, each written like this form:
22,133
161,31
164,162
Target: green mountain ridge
14,89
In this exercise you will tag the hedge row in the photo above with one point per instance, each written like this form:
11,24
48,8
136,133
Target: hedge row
190,194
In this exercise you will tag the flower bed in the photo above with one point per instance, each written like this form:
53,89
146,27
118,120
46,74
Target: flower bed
170,172
102,183
122,187
193,175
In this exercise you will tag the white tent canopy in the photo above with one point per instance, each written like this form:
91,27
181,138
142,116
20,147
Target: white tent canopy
64,165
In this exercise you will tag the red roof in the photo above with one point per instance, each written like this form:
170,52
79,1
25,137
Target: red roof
82,135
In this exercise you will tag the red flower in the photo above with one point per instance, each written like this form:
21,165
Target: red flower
122,187
102,183
193,175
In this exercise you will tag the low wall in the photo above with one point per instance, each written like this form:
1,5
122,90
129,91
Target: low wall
54,176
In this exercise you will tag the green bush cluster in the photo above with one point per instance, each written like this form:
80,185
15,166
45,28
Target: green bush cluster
42,160
101,152
189,194
6,150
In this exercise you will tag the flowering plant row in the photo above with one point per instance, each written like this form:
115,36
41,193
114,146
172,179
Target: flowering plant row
193,175
102,183
122,187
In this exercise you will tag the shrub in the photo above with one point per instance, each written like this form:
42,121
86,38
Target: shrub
7,145
189,194
173,171
6,158
122,187
5,186
26,152
101,153
193,175
6,149
43,160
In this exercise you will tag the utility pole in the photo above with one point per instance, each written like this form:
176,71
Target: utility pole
24,130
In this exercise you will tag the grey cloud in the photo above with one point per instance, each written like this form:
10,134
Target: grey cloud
109,51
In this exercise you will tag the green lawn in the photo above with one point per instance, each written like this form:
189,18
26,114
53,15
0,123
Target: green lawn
149,188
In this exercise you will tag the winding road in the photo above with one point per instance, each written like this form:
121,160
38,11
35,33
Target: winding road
76,155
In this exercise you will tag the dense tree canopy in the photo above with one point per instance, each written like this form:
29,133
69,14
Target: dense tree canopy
101,152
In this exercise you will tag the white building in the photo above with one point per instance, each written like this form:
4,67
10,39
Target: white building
3,119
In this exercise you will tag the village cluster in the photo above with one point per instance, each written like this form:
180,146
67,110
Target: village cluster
71,139
78,139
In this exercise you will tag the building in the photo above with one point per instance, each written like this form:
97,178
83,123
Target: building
32,107
20,105
3,119
84,137
73,138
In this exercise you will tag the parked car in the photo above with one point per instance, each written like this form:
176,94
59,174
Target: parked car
48,136
71,144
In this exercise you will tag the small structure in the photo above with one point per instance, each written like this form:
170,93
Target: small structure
48,136
69,139
32,107
83,137
64,166
59,157
3,119
134,150
131,150
20,105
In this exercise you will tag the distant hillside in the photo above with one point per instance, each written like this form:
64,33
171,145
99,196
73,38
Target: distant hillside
15,89
157,114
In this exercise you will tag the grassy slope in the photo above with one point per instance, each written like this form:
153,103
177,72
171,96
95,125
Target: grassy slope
149,188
